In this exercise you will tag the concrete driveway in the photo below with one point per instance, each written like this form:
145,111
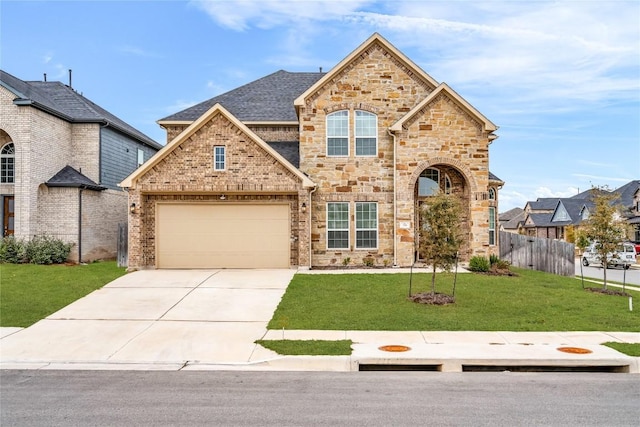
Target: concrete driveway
157,319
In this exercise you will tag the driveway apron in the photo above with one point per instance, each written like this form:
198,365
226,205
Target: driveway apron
158,317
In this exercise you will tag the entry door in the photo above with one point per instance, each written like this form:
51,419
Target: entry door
8,216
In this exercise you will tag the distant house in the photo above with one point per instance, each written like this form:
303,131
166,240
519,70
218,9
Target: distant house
550,217
315,169
61,158
512,220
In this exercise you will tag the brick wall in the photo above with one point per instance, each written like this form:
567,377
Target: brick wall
187,174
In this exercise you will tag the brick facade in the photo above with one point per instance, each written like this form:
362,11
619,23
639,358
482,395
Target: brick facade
45,144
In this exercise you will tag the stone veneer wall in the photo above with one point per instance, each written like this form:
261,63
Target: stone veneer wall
442,134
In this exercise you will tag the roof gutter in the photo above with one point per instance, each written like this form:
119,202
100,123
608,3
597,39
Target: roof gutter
395,202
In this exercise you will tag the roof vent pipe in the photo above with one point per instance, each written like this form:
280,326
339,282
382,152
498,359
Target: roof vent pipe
45,77
70,79
320,69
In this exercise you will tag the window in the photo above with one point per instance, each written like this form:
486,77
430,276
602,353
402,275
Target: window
429,182
219,158
338,225
366,134
492,226
366,225
140,157
447,184
338,133
7,163
492,194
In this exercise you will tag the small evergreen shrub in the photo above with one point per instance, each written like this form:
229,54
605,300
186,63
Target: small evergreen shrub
47,250
494,259
12,250
479,264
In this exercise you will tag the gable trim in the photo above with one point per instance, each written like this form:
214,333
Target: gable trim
375,38
489,126
130,181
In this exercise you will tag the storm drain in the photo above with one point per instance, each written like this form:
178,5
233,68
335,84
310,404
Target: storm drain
550,368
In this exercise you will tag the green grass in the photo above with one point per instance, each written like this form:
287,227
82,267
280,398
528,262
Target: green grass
30,292
308,347
533,301
628,349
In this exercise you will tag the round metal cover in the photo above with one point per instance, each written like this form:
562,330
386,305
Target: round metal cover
394,348
574,350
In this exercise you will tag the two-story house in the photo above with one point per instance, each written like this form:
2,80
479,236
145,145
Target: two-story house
314,169
61,158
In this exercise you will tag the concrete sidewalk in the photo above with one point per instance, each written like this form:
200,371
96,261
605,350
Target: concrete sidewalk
210,319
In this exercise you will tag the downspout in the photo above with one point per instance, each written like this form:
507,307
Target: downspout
309,222
80,190
395,207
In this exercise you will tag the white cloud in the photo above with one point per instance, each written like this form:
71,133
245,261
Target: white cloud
180,105
242,14
547,192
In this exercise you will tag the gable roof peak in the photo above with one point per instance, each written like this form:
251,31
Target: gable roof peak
375,38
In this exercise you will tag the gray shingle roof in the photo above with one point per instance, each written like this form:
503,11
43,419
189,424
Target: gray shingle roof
268,99
290,150
544,203
64,102
492,177
69,177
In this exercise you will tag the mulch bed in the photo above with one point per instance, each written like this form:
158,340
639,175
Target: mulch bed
432,299
608,292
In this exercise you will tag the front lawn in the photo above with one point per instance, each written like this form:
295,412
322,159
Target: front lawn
30,292
533,301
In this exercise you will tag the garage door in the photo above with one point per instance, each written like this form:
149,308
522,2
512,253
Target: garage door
222,236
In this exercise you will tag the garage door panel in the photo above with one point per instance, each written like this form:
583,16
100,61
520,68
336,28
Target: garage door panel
222,236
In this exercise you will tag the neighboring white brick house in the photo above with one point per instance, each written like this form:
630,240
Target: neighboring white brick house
61,159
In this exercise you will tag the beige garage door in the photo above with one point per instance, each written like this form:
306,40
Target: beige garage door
222,236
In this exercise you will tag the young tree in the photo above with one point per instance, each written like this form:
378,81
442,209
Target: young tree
605,227
440,237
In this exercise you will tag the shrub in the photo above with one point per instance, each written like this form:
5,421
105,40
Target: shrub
479,264
47,250
501,264
493,259
368,262
12,250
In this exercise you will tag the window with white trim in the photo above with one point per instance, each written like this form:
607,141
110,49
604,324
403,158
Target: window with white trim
429,182
366,225
140,157
447,184
492,226
338,133
219,158
338,225
366,134
7,163
492,194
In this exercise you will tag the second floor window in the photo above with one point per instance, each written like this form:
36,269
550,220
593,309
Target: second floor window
338,133
7,163
219,158
366,134
140,157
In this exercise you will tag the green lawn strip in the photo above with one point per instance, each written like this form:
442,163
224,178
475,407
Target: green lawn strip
626,348
308,347
30,292
532,301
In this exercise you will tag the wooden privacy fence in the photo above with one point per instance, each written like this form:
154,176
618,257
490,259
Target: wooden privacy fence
123,245
537,253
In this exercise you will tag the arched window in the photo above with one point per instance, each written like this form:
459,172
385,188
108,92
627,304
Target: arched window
7,163
338,133
366,134
492,194
447,184
429,182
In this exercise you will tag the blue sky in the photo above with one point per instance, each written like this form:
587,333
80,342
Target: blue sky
561,79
